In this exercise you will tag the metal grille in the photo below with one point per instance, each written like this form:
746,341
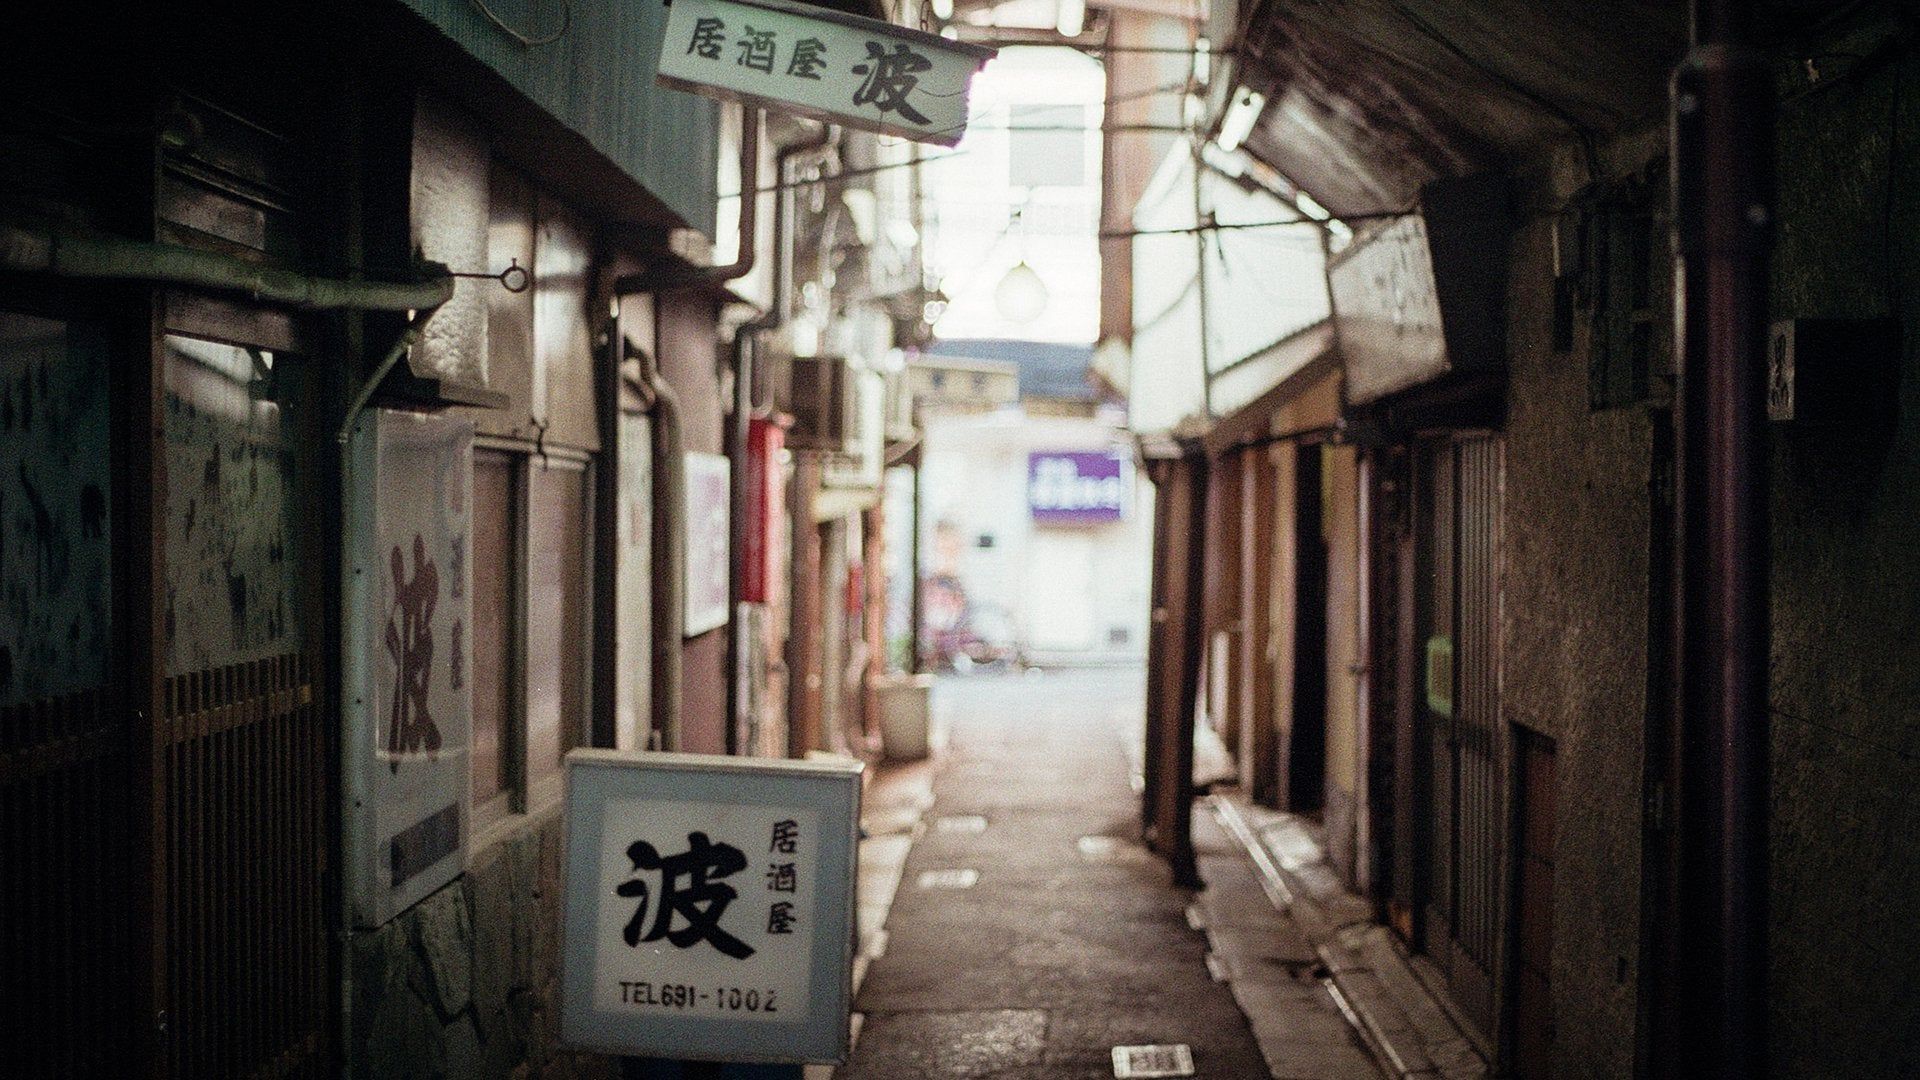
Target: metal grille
1390,669
1163,1059
248,980
66,894
1478,843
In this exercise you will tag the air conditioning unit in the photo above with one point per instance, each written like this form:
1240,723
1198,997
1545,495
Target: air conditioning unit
817,398
859,461
898,395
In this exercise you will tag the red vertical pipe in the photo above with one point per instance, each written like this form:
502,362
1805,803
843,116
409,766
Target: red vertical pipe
1723,197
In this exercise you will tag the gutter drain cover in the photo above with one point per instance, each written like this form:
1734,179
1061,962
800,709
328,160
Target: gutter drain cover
1171,1059
948,879
960,823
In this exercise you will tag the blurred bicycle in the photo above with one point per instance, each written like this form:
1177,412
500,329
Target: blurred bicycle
964,637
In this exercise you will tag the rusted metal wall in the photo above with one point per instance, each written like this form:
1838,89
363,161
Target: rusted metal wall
1340,527
1174,651
1257,691
805,644
1131,156
1226,622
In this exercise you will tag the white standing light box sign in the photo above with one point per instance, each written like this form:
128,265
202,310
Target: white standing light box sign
709,906
843,69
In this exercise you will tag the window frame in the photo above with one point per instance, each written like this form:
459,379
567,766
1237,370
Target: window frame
523,795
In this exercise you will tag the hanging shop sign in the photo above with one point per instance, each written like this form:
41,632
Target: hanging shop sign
1388,312
408,707
709,906
839,68
1076,488
1424,297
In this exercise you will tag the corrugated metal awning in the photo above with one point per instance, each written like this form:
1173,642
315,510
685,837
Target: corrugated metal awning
1370,99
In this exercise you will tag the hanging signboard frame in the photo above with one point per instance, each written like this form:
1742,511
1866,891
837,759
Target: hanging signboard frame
709,905
827,65
409,697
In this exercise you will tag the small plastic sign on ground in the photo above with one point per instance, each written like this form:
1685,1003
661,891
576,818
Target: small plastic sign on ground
824,64
709,906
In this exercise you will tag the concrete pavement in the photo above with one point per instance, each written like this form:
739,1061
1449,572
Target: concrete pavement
1067,939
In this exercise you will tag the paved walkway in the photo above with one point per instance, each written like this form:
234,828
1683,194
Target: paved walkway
1072,940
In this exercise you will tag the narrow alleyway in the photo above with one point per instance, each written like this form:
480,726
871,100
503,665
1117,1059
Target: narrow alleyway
1072,941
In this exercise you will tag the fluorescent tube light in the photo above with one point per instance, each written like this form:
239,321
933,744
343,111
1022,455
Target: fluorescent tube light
1073,17
1241,116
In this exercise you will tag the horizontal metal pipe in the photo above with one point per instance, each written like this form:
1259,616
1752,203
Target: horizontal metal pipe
31,250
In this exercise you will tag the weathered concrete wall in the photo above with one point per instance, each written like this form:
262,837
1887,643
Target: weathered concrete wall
1846,613
1574,625
450,211
1846,678
466,983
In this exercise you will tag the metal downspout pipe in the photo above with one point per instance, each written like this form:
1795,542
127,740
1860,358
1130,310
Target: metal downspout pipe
746,346
669,444
670,542
1723,103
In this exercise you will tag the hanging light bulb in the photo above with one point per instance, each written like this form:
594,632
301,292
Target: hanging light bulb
1021,296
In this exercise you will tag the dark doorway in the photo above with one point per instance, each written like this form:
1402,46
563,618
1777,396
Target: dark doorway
1391,680
1258,734
1306,744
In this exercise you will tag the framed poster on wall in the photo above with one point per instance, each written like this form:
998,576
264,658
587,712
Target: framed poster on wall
708,503
407,692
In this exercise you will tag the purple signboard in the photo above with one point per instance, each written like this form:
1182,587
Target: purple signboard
1076,488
